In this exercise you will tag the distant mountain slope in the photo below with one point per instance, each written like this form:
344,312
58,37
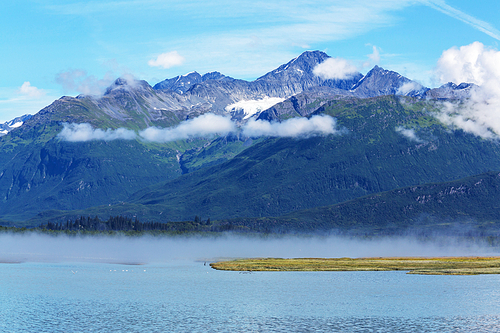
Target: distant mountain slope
451,91
182,83
66,175
372,153
379,82
235,176
468,206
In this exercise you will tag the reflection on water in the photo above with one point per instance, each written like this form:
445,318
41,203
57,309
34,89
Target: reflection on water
191,297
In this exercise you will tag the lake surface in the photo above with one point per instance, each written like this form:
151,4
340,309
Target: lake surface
189,296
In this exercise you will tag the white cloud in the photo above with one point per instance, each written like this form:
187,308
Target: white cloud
408,133
31,91
409,87
85,132
339,68
374,57
335,68
77,80
471,63
476,64
205,125
167,60
27,99
294,127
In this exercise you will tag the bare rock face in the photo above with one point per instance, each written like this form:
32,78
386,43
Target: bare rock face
135,104
451,91
304,104
379,82
287,80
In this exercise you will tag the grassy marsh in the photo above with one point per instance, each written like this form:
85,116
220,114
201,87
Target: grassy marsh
414,265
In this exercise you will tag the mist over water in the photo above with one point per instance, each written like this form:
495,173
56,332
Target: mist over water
35,247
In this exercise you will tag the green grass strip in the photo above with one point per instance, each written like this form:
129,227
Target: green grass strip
414,265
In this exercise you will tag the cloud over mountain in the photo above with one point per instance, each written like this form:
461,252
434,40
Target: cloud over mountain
78,80
205,125
473,63
335,68
85,132
294,127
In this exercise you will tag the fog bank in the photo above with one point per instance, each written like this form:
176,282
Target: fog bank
34,247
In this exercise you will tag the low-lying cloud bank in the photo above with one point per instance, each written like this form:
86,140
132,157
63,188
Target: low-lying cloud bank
85,132
205,126
294,127
480,65
34,247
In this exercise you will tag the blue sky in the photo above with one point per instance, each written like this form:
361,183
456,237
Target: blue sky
55,48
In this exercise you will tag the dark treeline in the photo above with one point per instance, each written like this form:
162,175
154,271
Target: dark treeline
122,223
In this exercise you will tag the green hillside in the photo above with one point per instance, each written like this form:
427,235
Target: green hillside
39,171
279,176
469,206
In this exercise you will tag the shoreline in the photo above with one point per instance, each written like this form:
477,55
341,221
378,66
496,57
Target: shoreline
473,265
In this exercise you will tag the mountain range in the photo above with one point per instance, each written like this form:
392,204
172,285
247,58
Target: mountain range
386,137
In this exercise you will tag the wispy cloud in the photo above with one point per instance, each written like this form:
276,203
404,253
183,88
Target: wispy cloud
167,60
408,133
335,68
77,80
294,127
85,132
480,25
409,87
26,99
264,34
205,125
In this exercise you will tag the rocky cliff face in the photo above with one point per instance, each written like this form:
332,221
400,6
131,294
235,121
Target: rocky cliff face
13,124
451,91
380,82
137,105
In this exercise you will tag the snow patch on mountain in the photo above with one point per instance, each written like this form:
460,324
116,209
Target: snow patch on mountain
16,124
12,124
251,107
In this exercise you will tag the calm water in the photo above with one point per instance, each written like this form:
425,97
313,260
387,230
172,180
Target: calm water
186,296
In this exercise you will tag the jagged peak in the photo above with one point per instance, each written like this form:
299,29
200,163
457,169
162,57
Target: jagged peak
215,76
305,62
463,85
195,73
377,69
128,83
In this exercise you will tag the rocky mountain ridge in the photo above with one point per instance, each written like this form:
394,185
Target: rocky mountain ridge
40,172
12,124
135,104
